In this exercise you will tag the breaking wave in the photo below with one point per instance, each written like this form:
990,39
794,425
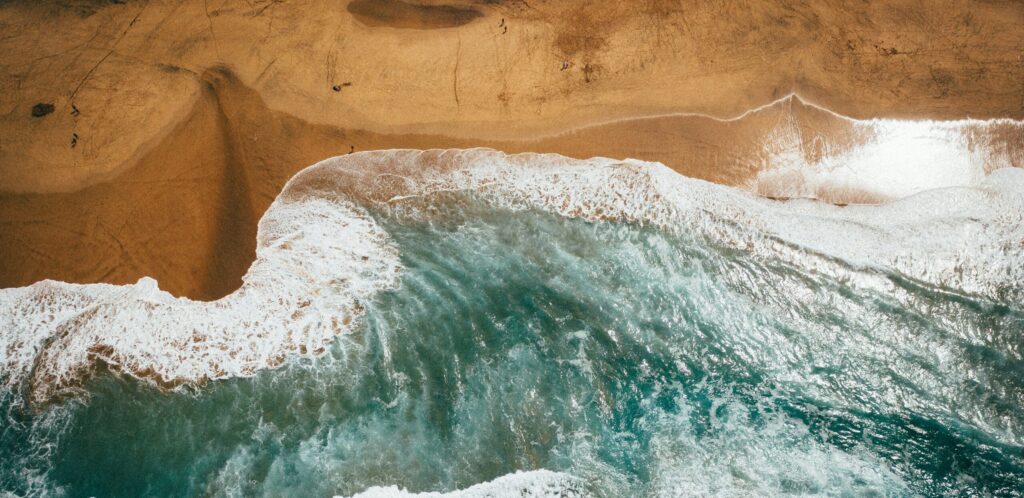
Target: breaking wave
320,255
705,341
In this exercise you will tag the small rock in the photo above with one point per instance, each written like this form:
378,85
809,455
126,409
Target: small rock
39,110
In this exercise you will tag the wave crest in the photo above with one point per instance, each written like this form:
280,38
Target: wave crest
320,255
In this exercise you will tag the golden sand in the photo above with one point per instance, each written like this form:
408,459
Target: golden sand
175,123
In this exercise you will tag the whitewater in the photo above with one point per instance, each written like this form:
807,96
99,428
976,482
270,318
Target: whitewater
482,324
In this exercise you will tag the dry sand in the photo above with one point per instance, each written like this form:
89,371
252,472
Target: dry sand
175,123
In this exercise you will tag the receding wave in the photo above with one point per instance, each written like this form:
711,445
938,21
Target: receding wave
811,152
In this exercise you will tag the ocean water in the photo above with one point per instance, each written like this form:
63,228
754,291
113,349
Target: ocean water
547,327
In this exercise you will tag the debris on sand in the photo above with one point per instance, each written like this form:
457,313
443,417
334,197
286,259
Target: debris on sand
41,109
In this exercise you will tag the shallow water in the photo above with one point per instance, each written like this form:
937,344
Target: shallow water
631,360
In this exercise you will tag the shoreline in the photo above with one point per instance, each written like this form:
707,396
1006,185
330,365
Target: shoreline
186,212
321,256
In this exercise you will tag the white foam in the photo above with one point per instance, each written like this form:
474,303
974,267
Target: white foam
532,484
317,258
883,159
319,255
739,456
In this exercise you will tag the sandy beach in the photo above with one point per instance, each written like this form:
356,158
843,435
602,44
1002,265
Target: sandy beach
530,248
149,137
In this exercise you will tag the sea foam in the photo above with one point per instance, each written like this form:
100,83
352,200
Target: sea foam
532,484
320,255
812,152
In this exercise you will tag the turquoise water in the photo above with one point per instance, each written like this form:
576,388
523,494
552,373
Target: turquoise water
640,362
